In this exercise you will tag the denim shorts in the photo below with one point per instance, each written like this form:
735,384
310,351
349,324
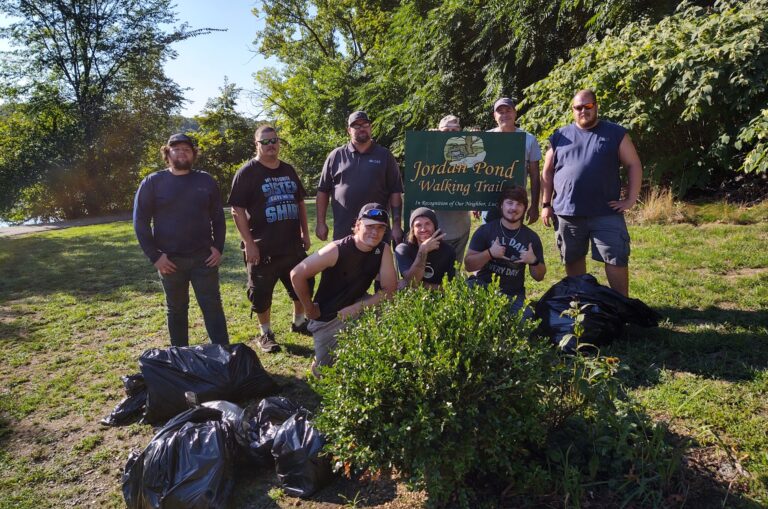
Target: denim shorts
608,236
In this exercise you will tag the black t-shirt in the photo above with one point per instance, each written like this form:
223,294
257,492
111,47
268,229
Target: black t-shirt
347,281
511,275
271,198
439,261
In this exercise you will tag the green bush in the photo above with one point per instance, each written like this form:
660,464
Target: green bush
446,388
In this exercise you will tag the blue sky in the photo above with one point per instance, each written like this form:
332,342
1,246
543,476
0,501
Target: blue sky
204,61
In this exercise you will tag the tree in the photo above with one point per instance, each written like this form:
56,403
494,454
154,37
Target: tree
224,136
104,58
691,89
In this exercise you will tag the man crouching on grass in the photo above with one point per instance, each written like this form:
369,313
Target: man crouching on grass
348,268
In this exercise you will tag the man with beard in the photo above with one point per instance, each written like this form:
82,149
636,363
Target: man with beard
360,172
185,239
505,247
348,266
424,258
267,202
582,191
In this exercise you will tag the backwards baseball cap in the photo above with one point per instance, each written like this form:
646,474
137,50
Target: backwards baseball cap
504,101
451,121
180,138
357,115
423,212
373,213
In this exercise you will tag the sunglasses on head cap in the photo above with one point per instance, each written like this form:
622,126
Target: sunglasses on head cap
377,214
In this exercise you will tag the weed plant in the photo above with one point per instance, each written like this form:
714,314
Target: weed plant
447,388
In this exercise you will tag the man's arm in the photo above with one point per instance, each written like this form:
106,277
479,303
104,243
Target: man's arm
240,216
218,226
321,204
309,267
143,212
631,161
396,206
533,175
305,237
548,187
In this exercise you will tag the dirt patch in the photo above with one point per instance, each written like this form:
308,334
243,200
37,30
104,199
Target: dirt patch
746,272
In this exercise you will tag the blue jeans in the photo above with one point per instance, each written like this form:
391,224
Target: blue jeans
205,282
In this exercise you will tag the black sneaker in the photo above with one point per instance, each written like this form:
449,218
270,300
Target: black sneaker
301,329
267,342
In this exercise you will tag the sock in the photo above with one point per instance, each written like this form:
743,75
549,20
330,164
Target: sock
265,327
299,318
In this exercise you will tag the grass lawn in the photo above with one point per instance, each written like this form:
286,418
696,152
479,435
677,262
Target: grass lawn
78,307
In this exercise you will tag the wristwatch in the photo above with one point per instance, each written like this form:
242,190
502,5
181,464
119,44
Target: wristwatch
546,204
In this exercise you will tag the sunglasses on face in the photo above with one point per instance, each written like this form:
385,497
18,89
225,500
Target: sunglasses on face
586,106
269,141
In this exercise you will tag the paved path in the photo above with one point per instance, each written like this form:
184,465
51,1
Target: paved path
12,231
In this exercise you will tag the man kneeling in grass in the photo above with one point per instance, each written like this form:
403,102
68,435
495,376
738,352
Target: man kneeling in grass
504,247
348,268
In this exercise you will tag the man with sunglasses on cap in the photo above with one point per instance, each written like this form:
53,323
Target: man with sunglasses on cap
582,191
505,115
179,223
267,200
348,266
357,173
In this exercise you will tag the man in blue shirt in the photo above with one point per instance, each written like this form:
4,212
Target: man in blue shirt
179,223
582,191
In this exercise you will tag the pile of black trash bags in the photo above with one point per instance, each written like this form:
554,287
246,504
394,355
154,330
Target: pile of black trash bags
189,463
605,314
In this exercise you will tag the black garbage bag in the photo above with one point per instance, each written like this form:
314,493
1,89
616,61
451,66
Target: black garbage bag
604,318
129,409
300,467
212,372
260,424
187,465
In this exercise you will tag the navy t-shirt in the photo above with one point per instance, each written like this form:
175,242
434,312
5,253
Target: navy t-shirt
185,213
439,262
271,197
511,275
586,169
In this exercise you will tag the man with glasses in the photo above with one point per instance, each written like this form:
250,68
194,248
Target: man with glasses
582,191
348,266
357,173
505,115
267,202
179,223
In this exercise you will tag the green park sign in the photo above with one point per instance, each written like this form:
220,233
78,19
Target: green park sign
461,170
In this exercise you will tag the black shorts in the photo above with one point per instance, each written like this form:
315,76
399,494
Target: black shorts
263,277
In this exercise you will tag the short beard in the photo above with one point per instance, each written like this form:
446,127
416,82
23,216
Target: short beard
362,137
183,166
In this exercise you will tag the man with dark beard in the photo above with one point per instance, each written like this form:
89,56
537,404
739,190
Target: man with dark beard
504,247
185,239
360,172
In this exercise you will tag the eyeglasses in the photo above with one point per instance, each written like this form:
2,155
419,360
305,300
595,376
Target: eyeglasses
585,106
365,125
269,141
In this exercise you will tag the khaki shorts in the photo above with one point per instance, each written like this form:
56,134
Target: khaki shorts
324,337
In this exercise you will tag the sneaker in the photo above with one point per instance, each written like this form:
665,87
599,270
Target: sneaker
301,329
267,342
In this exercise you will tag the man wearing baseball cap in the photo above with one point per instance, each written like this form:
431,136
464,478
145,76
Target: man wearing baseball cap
348,267
505,114
179,223
357,173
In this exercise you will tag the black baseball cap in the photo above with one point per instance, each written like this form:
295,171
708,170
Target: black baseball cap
357,115
181,138
504,101
374,213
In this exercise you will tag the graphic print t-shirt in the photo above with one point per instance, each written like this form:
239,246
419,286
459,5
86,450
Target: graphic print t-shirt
271,198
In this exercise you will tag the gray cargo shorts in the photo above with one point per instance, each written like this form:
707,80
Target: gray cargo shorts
324,338
608,236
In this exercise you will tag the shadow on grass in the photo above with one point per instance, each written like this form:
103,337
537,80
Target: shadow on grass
730,345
